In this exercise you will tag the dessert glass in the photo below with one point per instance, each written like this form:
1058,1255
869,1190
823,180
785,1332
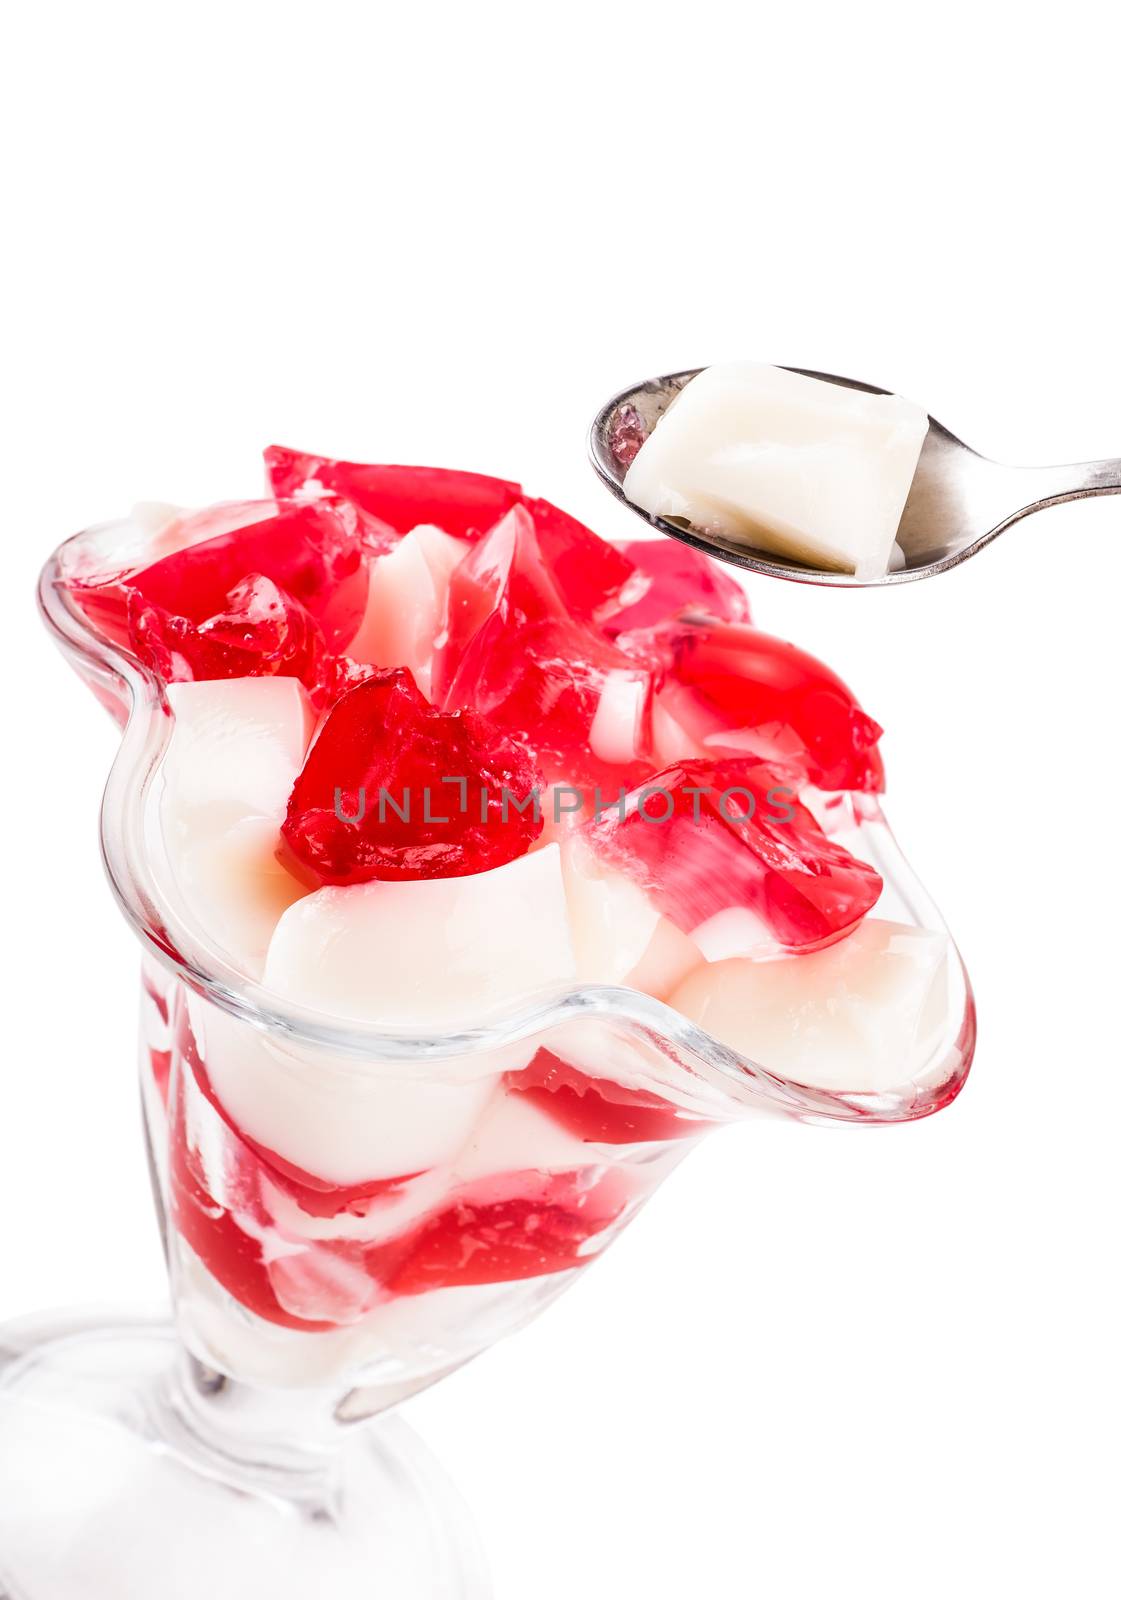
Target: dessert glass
251,1440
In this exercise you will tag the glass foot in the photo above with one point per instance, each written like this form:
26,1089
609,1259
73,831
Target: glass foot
107,1492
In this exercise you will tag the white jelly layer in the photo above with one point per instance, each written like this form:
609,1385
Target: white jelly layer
398,1348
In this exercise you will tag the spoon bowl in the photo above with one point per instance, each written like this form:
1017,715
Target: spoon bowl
959,500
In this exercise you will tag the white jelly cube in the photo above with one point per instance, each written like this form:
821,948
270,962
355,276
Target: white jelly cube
866,1014
793,465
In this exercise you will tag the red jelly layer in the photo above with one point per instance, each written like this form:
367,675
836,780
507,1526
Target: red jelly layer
228,1250
469,1240
505,1240
597,1110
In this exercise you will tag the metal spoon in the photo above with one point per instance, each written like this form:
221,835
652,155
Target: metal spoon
959,501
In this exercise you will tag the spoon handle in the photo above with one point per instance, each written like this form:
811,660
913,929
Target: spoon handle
1053,486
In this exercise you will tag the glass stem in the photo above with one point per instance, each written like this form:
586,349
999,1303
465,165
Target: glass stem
281,1441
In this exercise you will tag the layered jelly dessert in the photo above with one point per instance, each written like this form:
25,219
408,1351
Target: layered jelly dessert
787,463
538,860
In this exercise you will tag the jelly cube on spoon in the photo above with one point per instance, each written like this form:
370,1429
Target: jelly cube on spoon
807,469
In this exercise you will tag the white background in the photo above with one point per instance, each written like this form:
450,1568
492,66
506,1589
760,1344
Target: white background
825,1362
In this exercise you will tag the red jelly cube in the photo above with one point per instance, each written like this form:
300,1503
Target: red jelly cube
591,575
317,554
260,632
597,1110
103,591
734,689
517,651
704,837
585,569
393,788
628,435
336,676
679,579
462,503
